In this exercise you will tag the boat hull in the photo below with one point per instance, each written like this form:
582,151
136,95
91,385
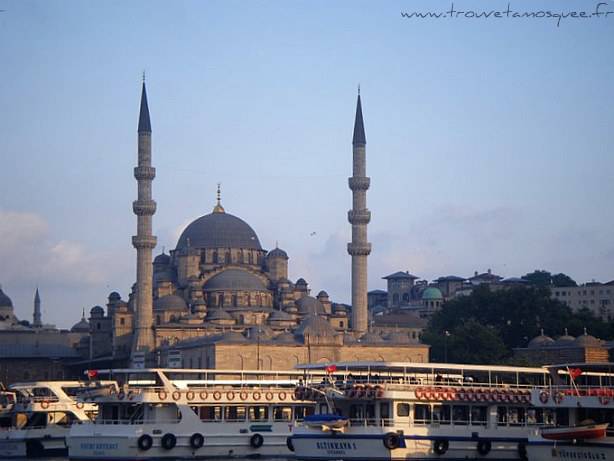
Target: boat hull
32,444
603,450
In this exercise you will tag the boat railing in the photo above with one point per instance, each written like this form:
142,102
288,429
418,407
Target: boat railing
125,422
581,391
373,422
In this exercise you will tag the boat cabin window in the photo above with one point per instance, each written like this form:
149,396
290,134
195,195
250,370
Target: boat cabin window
357,412
562,416
402,410
384,410
511,416
232,413
301,411
460,415
422,414
441,414
282,413
259,413
61,418
37,420
479,416
210,413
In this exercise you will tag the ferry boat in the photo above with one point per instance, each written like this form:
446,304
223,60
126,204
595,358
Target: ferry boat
38,415
581,402
192,414
413,411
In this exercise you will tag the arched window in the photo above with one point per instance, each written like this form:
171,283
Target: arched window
122,321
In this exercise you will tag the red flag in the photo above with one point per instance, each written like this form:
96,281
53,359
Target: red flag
91,374
331,368
574,372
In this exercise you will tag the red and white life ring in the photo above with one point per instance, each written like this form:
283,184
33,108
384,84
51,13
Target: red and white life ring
256,396
162,395
79,405
230,395
176,395
281,396
243,395
544,396
269,396
190,395
45,404
217,395
604,399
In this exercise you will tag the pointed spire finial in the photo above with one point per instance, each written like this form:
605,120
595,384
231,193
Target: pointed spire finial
218,208
359,126
83,314
37,297
144,121
143,75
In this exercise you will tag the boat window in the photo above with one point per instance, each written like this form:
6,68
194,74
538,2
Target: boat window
422,414
282,413
357,412
61,418
384,410
232,413
502,416
478,416
460,415
402,409
37,420
562,417
441,414
516,416
211,413
258,413
301,411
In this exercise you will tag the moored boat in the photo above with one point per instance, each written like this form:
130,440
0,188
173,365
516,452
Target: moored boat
581,432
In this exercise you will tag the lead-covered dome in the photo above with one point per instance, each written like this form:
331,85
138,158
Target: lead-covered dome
235,280
218,230
5,301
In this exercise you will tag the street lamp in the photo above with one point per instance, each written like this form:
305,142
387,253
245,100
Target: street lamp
446,333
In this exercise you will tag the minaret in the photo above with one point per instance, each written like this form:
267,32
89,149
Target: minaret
359,216
37,320
144,242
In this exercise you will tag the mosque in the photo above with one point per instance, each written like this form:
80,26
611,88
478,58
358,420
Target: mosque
219,299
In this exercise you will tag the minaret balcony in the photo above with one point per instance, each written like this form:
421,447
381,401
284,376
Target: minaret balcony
359,216
144,172
359,249
144,207
359,182
144,241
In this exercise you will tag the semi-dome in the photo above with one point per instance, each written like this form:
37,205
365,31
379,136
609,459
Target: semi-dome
234,279
279,316
218,230
170,303
398,338
259,331
432,294
565,340
232,337
285,338
308,305
5,301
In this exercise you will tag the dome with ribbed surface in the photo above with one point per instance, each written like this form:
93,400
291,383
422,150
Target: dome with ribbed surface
170,303
234,279
218,230
541,341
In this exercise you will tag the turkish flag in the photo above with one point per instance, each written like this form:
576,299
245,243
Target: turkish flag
574,372
331,368
91,374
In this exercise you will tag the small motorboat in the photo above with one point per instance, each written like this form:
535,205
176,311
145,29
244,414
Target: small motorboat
326,422
582,431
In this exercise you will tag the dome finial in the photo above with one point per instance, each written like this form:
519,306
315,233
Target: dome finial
566,333
218,207
541,332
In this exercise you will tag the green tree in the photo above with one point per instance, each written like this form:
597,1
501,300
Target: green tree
539,278
563,280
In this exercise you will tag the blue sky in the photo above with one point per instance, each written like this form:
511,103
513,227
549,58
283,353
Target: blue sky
490,142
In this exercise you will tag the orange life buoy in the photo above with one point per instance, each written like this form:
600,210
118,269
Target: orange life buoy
230,395
44,404
217,395
190,395
281,395
256,396
176,395
79,405
162,395
203,395
418,393
243,395
269,396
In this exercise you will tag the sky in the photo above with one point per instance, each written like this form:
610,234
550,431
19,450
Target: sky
489,141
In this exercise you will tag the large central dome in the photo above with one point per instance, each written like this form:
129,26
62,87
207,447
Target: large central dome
219,230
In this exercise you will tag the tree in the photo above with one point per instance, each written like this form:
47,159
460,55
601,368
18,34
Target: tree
563,280
539,278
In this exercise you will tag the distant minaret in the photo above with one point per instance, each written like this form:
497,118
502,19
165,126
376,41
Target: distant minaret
37,320
359,216
144,242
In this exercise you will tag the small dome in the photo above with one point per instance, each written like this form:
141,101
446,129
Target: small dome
565,340
234,279
284,281
279,316
277,253
162,259
114,296
301,283
339,308
432,294
285,338
322,294
232,337
316,326
81,327
259,331
218,230
587,340
308,305
170,303
371,338
5,301
97,311
540,341
167,275
218,314
398,338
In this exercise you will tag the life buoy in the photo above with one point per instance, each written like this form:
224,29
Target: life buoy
203,395
440,446
392,440
197,441
189,395
484,447
230,395
379,393
44,404
269,396
144,442
462,396
289,444
256,441
604,400
176,395
544,396
558,397
473,397
162,395
282,396
418,393
243,395
79,405
217,395
256,396
168,441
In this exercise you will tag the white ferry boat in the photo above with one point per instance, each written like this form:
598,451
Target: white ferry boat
37,417
410,411
581,400
192,414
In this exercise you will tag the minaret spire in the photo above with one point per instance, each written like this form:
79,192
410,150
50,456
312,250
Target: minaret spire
359,216
144,241
37,317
